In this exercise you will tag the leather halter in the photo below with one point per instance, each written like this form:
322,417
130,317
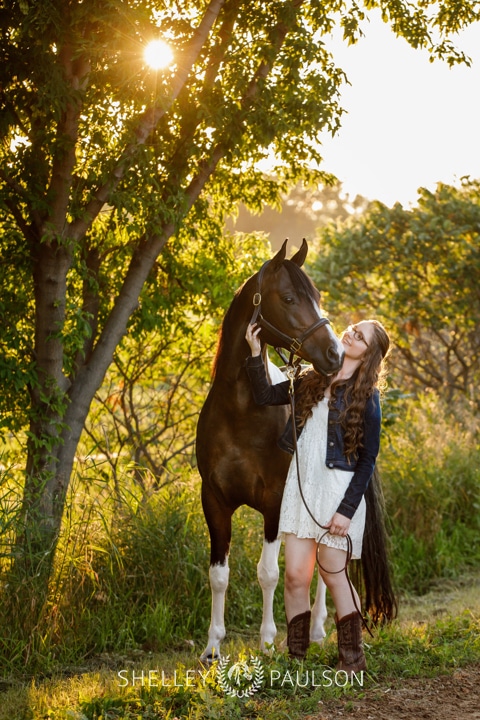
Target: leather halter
289,343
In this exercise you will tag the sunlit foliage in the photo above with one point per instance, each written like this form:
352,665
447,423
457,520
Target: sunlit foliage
419,271
110,169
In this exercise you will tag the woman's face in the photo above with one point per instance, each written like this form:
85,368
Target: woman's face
357,338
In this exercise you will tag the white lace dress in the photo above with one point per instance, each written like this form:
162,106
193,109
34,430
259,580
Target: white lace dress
323,489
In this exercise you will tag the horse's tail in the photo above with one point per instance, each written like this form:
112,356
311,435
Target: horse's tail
380,600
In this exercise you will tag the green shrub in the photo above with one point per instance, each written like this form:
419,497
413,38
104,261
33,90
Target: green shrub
430,467
132,568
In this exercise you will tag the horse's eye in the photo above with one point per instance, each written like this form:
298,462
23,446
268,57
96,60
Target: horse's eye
288,299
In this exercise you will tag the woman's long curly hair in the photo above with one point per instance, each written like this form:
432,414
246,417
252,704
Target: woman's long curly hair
370,374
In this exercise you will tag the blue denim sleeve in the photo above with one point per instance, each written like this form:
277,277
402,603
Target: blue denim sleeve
366,459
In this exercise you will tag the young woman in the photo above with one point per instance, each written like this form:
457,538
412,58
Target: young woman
338,423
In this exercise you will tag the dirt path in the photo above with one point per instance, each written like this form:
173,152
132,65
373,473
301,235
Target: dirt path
452,697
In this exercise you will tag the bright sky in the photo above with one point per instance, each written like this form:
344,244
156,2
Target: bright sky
410,123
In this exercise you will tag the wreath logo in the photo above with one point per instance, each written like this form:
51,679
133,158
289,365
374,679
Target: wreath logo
240,679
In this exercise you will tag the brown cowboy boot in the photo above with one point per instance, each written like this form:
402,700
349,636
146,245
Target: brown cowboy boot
298,635
351,657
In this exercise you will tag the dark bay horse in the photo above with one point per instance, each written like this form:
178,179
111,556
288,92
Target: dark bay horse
237,453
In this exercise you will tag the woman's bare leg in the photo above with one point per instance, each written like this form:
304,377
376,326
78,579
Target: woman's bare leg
343,594
300,556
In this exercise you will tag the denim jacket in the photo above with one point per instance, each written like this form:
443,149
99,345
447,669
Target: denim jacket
266,394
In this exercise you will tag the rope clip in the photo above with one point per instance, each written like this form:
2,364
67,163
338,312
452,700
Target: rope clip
291,373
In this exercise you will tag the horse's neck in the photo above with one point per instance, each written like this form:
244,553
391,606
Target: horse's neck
231,366
231,362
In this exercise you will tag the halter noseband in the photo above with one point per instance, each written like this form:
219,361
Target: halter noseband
290,343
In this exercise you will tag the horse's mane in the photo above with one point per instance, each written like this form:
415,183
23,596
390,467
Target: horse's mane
225,329
303,285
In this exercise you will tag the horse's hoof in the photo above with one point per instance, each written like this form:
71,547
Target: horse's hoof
209,659
318,639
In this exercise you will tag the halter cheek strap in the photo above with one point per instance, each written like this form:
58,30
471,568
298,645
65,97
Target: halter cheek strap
257,298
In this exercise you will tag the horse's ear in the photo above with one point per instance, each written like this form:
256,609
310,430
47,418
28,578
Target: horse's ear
299,257
280,256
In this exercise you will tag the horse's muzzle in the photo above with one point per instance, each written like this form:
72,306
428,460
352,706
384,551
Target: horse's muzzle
331,362
335,357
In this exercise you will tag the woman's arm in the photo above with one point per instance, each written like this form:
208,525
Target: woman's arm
366,459
263,392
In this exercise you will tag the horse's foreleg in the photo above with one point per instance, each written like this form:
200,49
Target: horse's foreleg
218,575
319,613
268,573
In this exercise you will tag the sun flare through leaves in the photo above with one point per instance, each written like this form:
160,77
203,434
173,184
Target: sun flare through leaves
158,54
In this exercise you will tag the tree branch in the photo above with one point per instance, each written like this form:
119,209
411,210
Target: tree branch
149,247
76,73
148,121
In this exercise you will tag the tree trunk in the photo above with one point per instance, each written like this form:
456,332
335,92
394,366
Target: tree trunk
60,406
42,499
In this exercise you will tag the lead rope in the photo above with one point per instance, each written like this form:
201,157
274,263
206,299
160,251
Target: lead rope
292,371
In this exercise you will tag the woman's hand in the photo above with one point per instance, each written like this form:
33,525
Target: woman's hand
339,525
251,336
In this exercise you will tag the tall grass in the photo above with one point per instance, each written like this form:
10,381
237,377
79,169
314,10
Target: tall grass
132,572
131,569
431,475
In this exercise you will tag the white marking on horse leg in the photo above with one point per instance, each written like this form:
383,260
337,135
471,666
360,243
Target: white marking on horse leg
218,575
319,613
268,574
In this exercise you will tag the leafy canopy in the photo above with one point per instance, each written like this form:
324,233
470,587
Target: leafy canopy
102,158
419,271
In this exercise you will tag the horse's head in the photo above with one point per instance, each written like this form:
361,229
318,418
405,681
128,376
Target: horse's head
289,312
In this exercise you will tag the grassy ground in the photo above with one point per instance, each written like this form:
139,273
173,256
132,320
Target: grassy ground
450,597
435,634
